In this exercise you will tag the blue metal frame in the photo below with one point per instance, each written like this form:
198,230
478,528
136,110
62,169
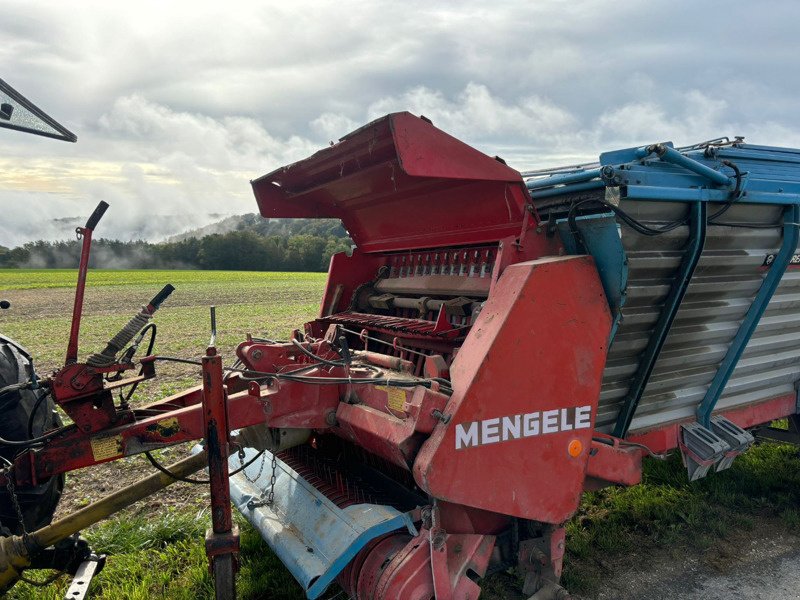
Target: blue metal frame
697,238
698,175
674,157
768,286
672,194
602,241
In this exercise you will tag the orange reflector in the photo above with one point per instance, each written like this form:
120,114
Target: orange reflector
575,448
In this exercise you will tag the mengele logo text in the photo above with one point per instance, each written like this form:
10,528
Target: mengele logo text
502,429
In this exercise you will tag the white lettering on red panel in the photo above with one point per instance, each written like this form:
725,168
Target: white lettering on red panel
502,429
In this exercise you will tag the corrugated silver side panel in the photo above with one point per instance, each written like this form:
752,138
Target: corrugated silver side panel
722,289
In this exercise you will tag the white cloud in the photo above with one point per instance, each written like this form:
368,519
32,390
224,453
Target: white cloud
177,105
163,171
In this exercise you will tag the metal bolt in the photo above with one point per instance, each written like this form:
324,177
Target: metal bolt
425,515
438,541
437,414
256,354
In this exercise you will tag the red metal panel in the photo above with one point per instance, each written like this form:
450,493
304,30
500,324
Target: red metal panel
614,464
537,352
349,272
387,436
400,183
665,437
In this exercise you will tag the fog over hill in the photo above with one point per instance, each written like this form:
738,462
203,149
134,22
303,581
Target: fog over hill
240,242
125,227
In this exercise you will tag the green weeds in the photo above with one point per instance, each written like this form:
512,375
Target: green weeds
668,512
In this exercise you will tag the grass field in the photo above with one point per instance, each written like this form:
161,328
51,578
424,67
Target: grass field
156,548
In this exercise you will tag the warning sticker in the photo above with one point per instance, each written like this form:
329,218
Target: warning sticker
107,447
396,397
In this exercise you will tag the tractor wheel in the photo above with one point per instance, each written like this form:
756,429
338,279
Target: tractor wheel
38,503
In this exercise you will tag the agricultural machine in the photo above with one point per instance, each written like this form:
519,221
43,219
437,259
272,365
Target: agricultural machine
497,343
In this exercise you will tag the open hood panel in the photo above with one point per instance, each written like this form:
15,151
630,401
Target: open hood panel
400,183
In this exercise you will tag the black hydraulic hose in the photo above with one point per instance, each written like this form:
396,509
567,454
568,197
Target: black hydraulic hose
39,440
643,229
167,472
734,195
312,380
637,226
308,353
36,406
153,329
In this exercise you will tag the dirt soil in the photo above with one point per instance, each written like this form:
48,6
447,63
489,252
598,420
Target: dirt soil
88,485
755,565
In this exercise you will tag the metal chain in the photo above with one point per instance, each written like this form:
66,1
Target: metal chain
244,471
12,492
271,494
267,498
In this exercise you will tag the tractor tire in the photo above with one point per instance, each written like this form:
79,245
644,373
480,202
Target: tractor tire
37,503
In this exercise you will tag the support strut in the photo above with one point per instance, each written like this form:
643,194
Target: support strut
222,539
791,216
697,238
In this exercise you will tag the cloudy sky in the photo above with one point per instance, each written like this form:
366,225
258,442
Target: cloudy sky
177,105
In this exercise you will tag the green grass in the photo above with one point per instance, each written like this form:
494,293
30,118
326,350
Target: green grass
265,304
165,558
25,279
160,554
667,511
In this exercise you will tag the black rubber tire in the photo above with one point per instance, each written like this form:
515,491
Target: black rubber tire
38,503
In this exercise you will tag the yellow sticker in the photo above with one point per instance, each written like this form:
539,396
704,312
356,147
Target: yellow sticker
166,427
106,447
396,397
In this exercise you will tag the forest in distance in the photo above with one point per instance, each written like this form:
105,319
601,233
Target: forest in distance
242,243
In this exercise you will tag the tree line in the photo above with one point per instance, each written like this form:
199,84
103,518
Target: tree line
287,247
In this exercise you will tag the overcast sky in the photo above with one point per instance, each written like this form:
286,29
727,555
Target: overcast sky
177,105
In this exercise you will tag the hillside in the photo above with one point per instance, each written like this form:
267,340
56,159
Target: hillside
267,227
242,243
